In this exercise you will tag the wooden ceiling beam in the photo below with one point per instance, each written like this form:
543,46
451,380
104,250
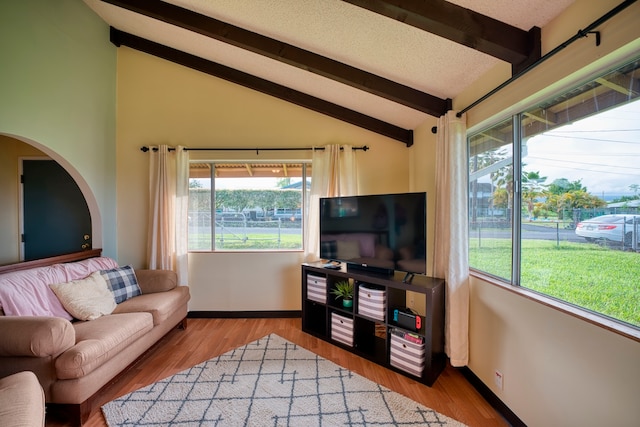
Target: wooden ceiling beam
288,54
121,38
480,32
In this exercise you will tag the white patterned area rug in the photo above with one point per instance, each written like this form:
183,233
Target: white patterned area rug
269,382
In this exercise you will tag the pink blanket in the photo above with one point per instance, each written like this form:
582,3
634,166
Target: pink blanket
27,292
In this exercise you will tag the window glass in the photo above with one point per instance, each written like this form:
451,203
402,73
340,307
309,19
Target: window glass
247,206
491,199
578,216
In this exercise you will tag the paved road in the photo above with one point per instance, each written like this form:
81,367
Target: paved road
530,231
537,232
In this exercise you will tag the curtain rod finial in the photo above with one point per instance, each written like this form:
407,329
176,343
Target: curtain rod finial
434,129
144,149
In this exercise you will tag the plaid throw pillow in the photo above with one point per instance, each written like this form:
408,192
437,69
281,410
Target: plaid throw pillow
123,283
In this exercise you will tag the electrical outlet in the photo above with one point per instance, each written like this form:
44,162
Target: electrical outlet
498,378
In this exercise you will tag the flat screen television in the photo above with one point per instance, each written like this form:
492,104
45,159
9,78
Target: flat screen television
382,233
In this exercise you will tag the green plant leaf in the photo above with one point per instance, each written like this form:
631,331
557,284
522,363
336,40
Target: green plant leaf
343,289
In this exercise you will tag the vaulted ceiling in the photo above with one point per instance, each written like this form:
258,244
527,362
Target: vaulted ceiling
382,65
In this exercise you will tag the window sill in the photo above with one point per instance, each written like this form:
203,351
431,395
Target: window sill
614,326
245,251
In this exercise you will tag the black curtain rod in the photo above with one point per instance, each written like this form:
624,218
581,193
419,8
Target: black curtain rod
257,150
581,33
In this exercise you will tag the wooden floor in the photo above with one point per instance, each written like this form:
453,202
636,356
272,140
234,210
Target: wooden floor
203,339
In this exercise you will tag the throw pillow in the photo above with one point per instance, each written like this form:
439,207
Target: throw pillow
123,283
85,299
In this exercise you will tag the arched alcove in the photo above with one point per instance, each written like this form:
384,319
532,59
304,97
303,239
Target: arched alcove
12,149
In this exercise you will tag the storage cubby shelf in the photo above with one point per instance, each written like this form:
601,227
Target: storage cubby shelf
374,329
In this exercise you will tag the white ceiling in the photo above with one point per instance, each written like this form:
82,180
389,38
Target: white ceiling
342,32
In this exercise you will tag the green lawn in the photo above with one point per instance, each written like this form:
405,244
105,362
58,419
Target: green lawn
603,280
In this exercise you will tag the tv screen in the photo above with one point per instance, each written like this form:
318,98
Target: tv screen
384,231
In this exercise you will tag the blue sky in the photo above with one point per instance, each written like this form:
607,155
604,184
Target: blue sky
603,151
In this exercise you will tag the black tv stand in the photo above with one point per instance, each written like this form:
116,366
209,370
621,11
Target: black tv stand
375,335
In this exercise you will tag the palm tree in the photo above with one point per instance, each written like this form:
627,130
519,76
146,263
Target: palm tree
532,188
503,180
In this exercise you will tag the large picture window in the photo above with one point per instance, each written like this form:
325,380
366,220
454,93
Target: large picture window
247,206
563,219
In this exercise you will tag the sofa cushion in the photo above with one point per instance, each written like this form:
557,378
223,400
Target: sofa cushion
151,281
161,305
99,340
123,283
79,269
86,299
27,292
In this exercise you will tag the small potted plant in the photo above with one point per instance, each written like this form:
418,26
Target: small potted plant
344,289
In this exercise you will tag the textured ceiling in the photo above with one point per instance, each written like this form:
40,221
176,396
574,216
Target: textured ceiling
345,33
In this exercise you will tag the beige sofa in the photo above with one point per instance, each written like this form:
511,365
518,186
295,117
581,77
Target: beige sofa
74,359
21,401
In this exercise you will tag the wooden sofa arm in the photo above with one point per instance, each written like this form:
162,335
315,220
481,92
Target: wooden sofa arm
34,336
152,281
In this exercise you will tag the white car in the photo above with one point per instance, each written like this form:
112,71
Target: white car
609,227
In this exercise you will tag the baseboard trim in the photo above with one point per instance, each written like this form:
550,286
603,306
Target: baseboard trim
490,397
244,314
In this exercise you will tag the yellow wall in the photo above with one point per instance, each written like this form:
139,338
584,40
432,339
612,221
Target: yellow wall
160,102
57,81
558,370
422,166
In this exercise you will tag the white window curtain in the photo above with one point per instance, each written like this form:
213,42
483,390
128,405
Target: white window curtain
334,173
168,204
451,257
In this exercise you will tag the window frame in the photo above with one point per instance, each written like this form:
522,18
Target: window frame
514,286
304,202
591,317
